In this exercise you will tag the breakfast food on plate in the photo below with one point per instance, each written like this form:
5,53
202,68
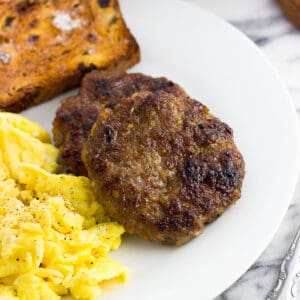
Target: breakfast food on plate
54,236
292,10
162,165
47,46
76,115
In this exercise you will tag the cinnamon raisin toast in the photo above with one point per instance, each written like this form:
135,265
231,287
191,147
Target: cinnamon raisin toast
46,46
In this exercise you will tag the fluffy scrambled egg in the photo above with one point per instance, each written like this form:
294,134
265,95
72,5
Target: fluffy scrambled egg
54,236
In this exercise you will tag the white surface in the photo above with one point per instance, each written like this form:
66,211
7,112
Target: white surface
219,66
264,22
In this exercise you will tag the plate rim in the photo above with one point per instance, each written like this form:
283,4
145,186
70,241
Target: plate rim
293,120
296,126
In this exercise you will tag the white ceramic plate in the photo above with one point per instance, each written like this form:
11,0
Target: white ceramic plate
219,66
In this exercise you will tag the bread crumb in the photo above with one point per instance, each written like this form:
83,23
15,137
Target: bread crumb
64,22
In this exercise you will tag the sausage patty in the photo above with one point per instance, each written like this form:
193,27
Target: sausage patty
76,115
162,165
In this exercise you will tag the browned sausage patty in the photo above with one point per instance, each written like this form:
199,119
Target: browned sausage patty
163,166
76,115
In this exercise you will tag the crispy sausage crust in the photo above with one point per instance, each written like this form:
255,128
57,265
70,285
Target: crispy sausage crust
76,115
163,166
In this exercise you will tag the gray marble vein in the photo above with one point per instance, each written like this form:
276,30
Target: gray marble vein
263,22
256,283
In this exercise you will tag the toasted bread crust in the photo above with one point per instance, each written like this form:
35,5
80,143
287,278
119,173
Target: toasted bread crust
291,8
47,47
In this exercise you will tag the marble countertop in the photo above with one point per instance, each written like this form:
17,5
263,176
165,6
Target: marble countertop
263,22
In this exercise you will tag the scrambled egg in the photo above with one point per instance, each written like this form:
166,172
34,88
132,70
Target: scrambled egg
54,236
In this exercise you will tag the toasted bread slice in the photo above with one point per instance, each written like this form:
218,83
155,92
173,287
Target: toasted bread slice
46,46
